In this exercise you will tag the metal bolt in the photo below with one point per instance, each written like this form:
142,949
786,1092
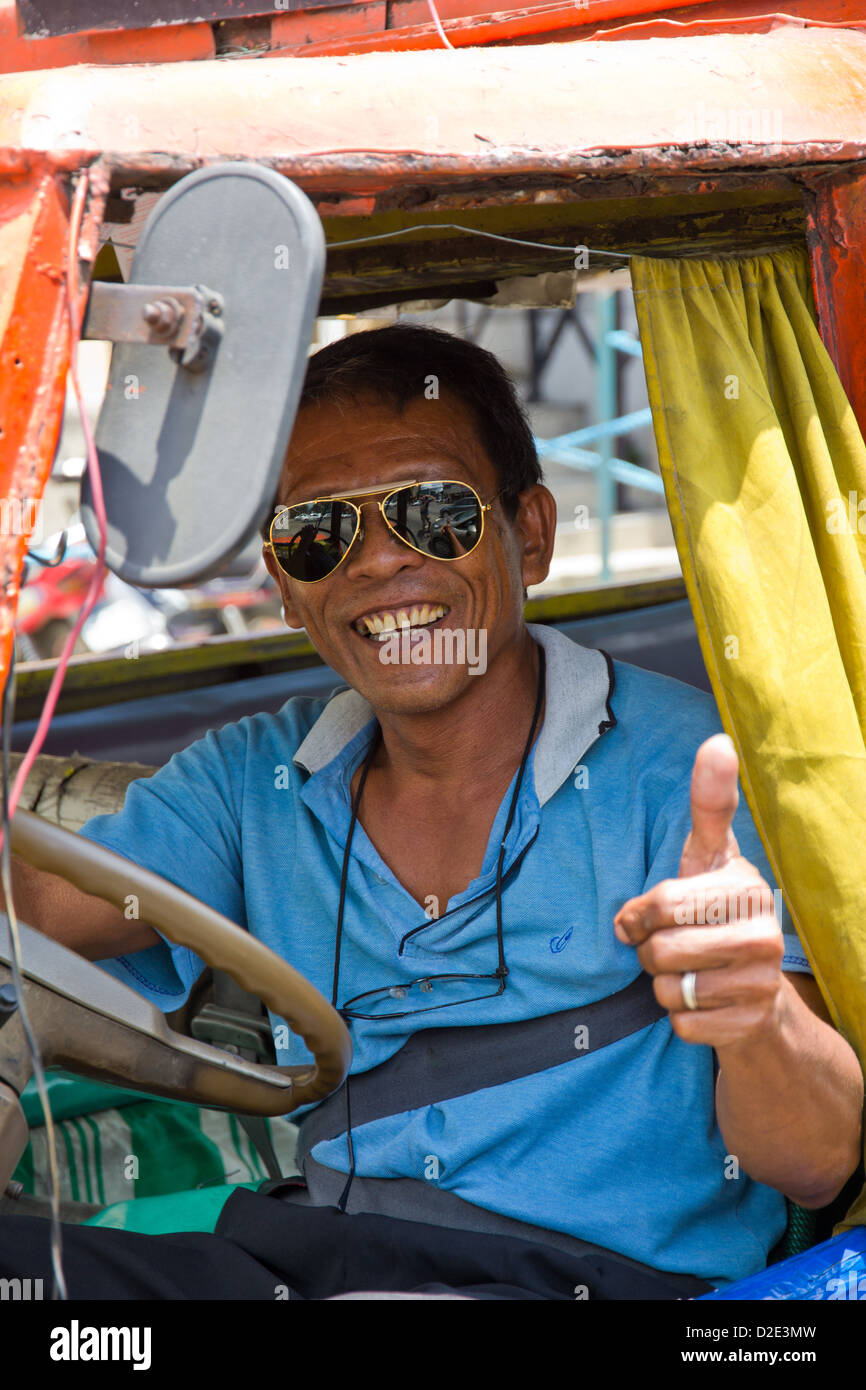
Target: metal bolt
162,316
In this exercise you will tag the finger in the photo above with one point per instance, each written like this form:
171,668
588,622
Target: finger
732,894
718,989
713,948
711,842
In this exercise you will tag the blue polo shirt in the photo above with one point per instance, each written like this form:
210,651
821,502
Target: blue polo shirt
620,1148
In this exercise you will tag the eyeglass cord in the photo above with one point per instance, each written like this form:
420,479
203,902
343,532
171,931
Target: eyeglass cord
502,969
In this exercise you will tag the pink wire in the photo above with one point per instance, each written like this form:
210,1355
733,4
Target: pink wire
438,22
98,505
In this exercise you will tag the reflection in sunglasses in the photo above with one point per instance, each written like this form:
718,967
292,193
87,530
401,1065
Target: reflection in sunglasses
441,519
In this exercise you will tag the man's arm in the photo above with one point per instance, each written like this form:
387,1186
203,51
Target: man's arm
790,1102
88,925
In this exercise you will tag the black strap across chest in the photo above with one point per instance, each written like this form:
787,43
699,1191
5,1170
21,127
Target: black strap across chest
438,1064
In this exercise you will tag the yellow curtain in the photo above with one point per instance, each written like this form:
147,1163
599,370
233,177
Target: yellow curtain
764,469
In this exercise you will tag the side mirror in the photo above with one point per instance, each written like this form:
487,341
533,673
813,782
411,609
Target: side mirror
212,336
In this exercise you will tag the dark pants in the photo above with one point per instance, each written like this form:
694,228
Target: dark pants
268,1248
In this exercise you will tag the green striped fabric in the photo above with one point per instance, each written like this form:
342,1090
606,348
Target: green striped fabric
148,1149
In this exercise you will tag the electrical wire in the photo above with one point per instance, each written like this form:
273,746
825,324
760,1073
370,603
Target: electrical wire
454,227
58,1290
434,15
98,503
728,22
57,558
10,800
477,231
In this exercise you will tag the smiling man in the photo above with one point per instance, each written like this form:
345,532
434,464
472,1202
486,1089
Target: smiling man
588,1059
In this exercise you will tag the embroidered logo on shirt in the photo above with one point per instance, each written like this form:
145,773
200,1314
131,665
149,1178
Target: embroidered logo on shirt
559,943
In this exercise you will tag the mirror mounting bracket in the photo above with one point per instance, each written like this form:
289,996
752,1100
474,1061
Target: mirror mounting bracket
187,319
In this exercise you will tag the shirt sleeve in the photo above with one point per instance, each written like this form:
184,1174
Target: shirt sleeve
184,824
668,836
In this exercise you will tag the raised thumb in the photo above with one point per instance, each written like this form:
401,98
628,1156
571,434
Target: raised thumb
711,842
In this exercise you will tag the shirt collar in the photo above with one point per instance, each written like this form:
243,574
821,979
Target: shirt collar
578,689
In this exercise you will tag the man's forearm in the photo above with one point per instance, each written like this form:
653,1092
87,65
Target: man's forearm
86,924
790,1104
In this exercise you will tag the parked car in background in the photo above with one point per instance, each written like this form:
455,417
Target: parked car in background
243,600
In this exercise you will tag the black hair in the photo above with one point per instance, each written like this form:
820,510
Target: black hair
404,361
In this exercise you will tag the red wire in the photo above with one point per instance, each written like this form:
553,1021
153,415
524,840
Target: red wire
96,492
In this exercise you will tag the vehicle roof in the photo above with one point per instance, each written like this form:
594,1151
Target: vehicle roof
564,102
537,142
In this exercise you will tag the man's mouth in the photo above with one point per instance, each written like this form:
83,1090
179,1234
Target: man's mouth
381,625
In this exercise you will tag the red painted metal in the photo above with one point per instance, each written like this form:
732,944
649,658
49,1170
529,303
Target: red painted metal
731,17
169,44
306,34
836,231
372,25
34,355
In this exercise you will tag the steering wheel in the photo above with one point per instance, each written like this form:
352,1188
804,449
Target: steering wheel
88,1021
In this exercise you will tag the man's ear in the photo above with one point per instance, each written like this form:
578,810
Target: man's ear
290,612
536,526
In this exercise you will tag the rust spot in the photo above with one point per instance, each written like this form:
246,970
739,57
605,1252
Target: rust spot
53,272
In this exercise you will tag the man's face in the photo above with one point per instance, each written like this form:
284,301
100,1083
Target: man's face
337,450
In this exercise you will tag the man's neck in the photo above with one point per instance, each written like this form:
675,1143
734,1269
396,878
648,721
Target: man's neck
477,736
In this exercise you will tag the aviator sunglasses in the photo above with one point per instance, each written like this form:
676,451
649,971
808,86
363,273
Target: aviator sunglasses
442,519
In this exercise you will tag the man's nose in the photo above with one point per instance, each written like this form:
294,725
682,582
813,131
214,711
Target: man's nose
378,552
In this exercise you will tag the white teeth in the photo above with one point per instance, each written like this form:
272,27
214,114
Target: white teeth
382,625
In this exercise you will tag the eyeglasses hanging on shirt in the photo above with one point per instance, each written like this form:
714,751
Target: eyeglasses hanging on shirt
425,987
388,1000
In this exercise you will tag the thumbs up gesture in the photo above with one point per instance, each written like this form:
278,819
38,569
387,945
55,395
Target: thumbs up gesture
710,937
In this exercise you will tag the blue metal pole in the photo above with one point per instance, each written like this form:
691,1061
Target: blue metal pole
606,409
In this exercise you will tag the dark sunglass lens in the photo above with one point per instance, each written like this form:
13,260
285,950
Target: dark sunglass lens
442,519
310,540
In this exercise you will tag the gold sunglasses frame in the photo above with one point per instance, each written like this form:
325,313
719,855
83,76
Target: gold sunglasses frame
389,493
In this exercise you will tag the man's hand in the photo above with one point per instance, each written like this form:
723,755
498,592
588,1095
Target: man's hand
716,919
789,1093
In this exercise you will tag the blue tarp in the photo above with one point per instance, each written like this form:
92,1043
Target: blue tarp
833,1270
